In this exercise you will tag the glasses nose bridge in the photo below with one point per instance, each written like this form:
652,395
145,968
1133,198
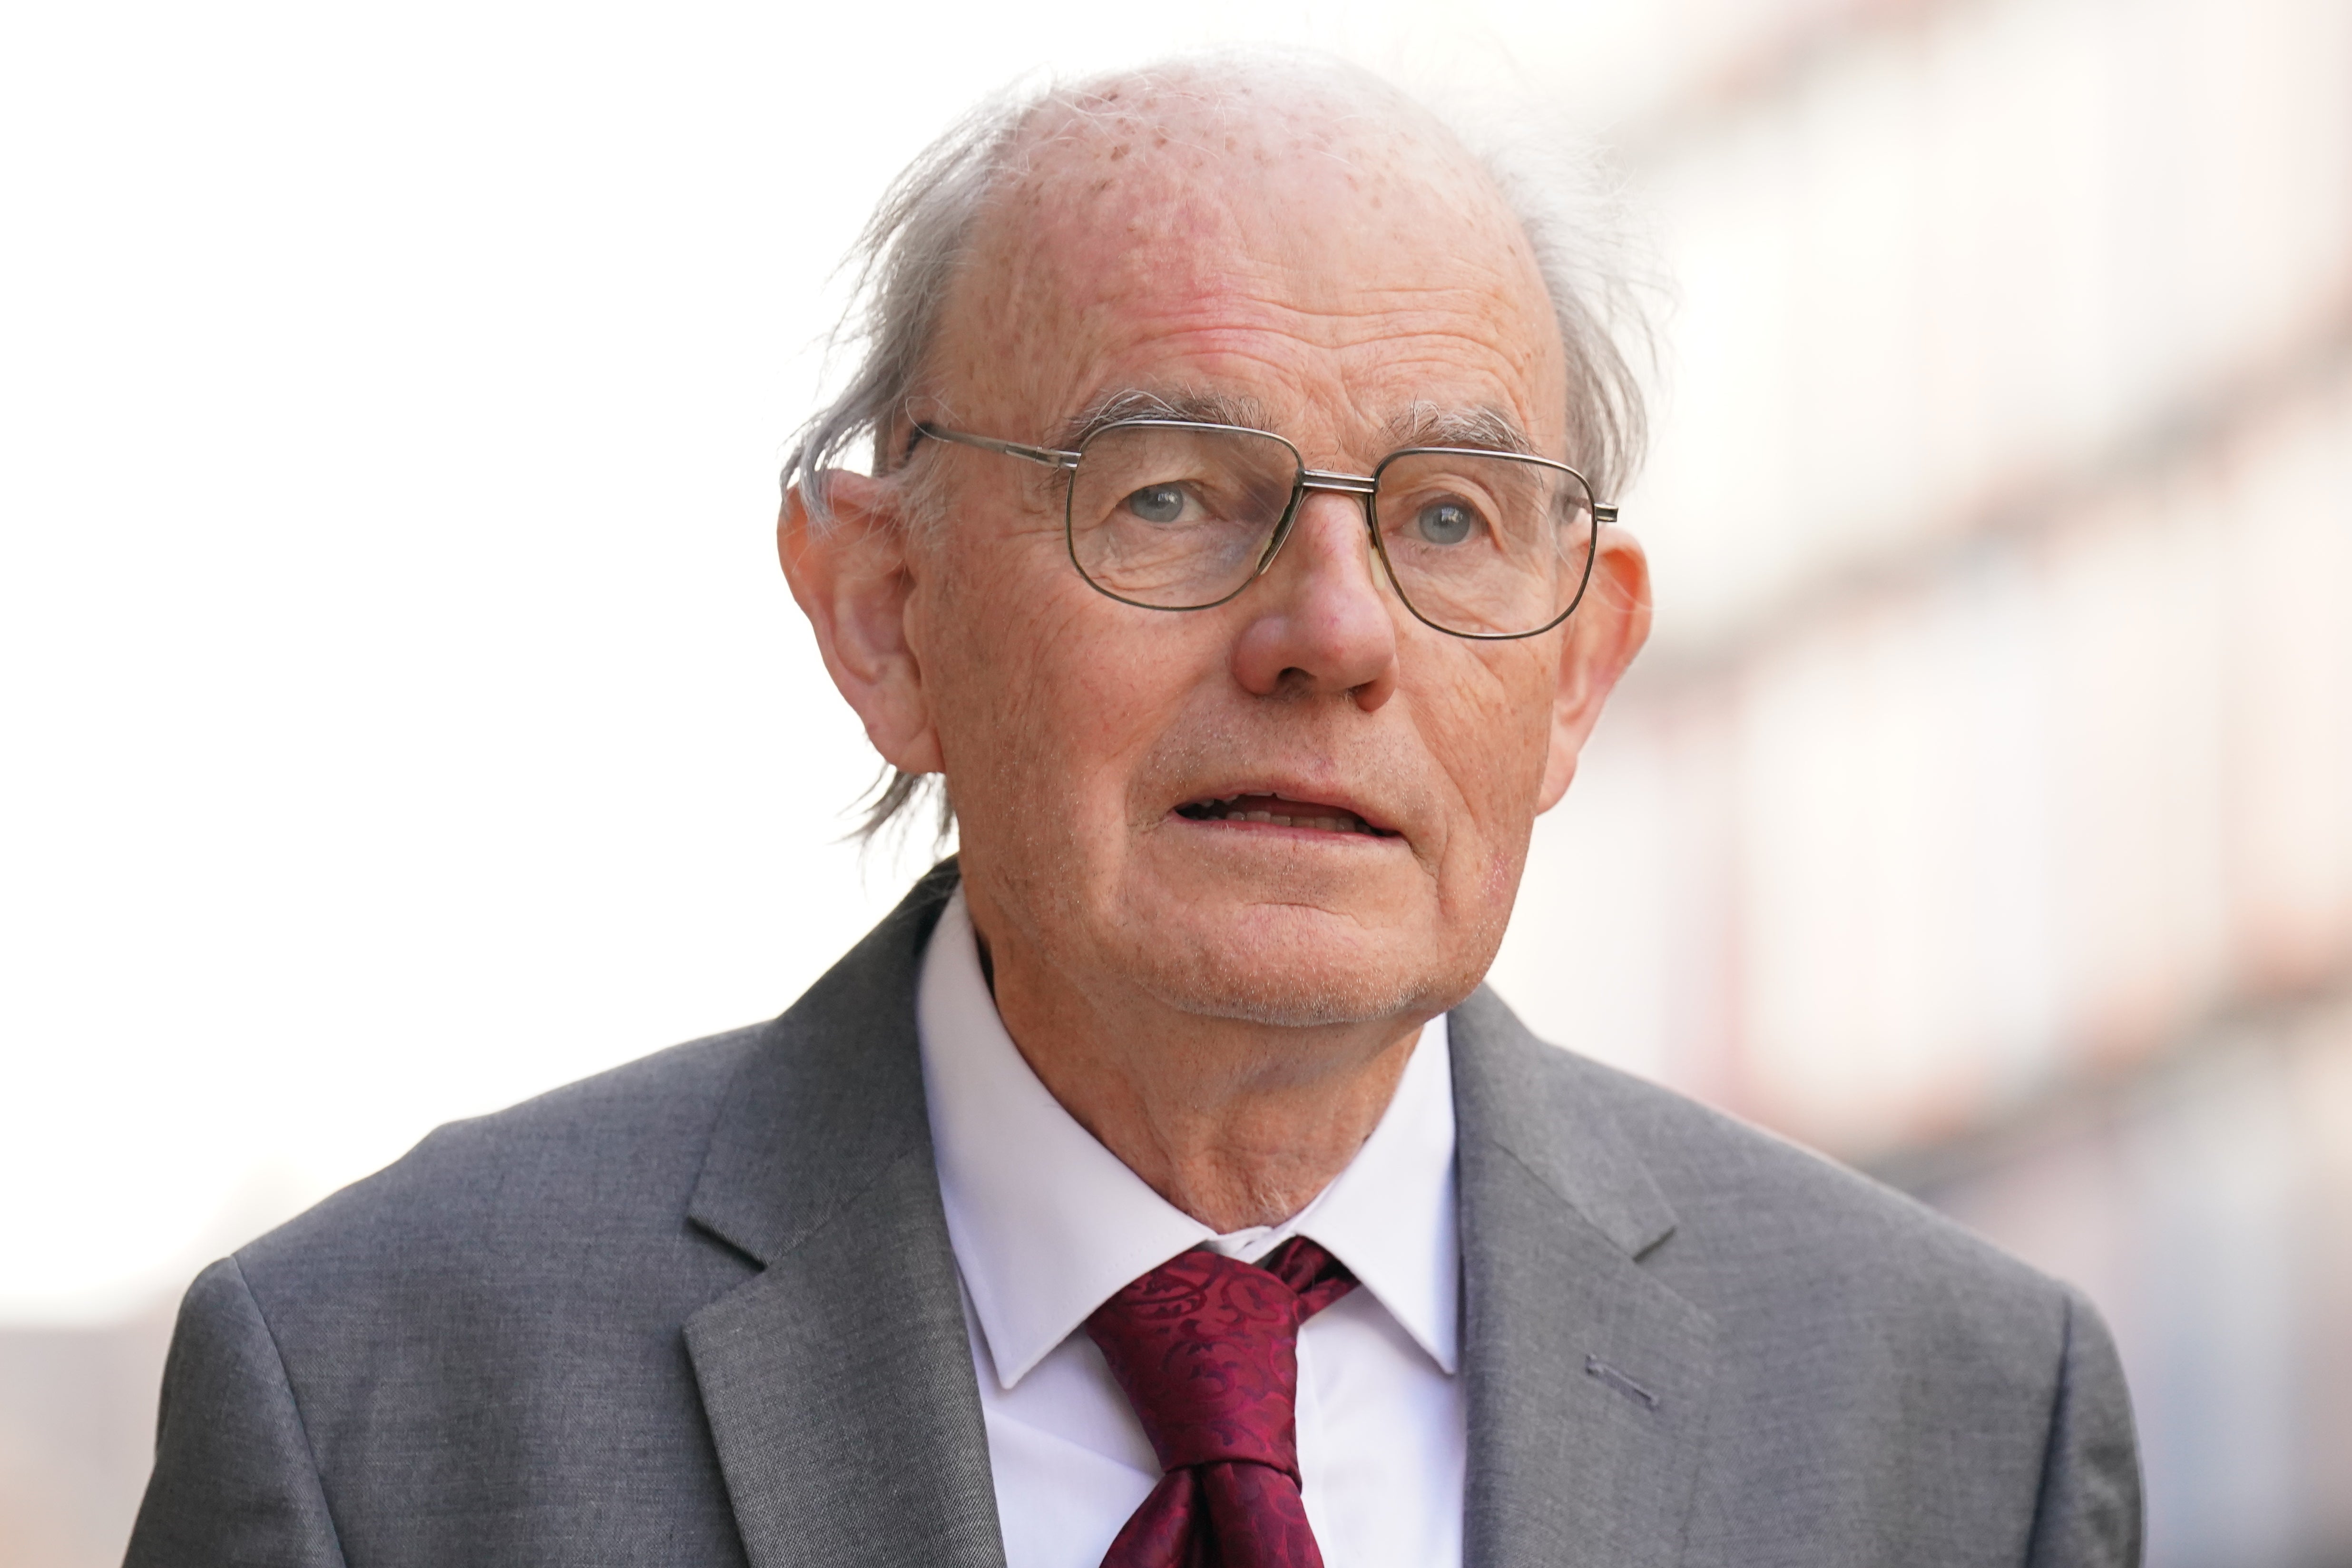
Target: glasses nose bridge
1310,480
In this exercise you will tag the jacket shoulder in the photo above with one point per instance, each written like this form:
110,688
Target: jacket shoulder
1770,1239
1879,1374
600,1161
1738,1190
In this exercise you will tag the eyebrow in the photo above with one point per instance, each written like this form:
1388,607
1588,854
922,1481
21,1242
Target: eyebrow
1482,427
1189,405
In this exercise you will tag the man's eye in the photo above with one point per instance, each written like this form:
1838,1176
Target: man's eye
1158,503
1444,523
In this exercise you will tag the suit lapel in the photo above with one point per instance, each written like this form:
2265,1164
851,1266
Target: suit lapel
838,1382
1587,1379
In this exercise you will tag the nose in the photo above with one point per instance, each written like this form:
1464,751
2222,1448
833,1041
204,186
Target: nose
1318,620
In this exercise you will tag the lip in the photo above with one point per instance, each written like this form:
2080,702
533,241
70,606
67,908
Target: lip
1309,797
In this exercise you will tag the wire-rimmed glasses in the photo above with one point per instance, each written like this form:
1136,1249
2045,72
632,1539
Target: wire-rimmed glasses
1171,514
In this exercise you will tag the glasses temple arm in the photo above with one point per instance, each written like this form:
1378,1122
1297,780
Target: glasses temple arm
1046,455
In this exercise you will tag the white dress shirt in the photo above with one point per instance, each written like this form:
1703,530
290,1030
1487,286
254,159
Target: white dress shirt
1047,1225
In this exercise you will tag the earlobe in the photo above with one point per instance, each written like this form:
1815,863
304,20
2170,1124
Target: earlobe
1607,630
852,576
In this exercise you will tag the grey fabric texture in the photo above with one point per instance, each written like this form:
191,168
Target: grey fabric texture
1833,1374
703,1310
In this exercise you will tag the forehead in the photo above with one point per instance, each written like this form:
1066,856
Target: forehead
1331,257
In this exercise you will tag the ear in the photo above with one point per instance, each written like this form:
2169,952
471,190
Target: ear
1607,630
853,579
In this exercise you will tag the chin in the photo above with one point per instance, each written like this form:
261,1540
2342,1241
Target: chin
1300,984
1285,1003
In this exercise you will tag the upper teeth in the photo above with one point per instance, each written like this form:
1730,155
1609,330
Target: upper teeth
1214,809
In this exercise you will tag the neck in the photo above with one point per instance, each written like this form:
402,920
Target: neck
1236,1123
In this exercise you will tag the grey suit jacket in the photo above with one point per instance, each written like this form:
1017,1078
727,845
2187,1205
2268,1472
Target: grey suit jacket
703,1310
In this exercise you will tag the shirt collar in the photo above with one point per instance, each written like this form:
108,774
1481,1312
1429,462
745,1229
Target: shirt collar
1047,1224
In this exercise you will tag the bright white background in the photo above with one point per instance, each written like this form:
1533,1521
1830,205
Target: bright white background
400,708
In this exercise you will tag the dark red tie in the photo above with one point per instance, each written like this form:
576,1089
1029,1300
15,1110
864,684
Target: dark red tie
1206,1347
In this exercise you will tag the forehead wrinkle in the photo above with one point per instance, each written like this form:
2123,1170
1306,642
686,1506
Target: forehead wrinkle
1380,311
1218,374
1273,331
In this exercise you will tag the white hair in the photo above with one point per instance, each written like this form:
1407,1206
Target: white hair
908,256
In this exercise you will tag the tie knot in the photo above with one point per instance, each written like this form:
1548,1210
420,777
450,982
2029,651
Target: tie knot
1206,1348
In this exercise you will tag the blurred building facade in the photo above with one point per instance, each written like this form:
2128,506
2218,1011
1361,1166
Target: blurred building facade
1983,812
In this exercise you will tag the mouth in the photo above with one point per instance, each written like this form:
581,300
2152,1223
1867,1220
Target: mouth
1269,809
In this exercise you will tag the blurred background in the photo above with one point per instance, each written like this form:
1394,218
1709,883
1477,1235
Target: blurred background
403,714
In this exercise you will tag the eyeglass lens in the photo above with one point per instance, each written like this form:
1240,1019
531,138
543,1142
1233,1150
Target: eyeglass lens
1180,516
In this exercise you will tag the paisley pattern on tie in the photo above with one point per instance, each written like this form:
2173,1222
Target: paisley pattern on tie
1206,1347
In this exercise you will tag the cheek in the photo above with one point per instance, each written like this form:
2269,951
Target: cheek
1047,691
1492,715
1489,729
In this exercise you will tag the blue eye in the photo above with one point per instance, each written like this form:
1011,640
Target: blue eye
1444,523
1158,503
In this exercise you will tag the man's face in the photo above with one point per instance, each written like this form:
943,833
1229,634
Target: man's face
1334,278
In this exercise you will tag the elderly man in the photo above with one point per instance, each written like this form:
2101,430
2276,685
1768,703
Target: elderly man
1157,1185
